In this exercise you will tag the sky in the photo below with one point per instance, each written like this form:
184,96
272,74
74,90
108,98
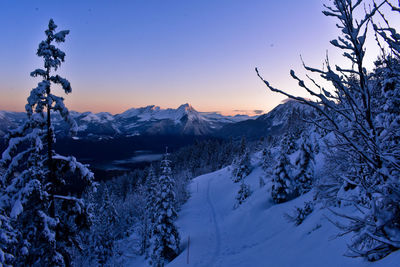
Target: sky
124,54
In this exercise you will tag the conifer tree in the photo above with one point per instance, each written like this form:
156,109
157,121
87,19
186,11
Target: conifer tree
165,238
241,165
305,166
281,181
106,228
243,193
267,164
152,189
288,144
45,215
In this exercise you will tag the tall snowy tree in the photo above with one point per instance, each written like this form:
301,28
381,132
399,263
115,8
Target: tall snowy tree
351,109
305,167
45,214
148,219
267,165
241,164
266,158
106,228
288,144
281,181
165,238
243,193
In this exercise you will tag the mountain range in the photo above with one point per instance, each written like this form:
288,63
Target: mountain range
150,120
185,120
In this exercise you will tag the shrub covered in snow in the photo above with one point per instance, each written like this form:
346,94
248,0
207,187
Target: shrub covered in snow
243,193
300,214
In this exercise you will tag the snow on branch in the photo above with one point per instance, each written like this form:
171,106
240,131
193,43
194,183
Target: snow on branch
38,72
64,112
74,165
37,98
65,84
60,36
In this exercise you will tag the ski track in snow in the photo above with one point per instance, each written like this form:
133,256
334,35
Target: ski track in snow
216,226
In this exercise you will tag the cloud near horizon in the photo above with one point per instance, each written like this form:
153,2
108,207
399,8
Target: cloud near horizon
250,112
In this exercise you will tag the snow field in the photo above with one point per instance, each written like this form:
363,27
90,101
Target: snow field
256,234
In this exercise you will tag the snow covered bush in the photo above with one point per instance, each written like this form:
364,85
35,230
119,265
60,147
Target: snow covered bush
243,193
300,214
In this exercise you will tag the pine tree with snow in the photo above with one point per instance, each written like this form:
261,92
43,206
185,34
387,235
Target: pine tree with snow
287,143
106,228
267,164
266,158
305,167
45,215
148,218
165,238
243,193
241,164
281,181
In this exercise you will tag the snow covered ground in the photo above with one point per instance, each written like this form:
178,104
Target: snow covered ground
256,233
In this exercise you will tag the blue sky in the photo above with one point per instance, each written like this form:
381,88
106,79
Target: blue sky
123,54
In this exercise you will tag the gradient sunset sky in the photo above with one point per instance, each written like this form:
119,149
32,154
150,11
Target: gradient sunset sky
123,54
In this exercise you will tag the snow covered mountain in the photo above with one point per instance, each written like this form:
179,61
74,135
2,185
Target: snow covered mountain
185,120
10,120
151,120
284,117
154,120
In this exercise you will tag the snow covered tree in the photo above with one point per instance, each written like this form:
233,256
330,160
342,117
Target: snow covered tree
46,215
165,238
358,110
182,180
266,158
267,165
288,144
241,165
281,181
243,193
106,228
305,167
148,218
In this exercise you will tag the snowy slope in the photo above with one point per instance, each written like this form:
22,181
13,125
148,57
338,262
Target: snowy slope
255,234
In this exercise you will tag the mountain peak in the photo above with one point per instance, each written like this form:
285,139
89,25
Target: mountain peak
186,107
